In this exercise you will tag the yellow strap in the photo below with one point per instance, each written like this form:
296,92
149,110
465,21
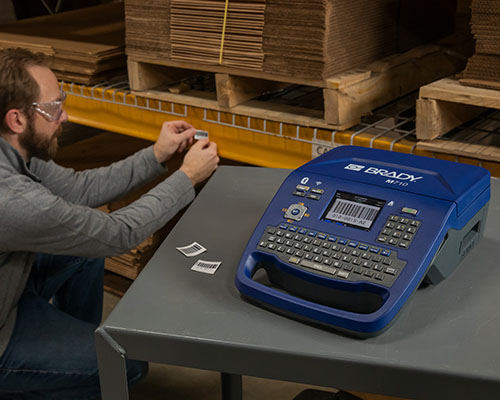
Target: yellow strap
223,32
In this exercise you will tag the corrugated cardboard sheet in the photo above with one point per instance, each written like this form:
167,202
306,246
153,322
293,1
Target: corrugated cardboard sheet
303,38
84,46
483,68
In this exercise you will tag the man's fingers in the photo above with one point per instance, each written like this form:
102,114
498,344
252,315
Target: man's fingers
187,134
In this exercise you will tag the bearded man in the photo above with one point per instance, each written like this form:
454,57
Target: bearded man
52,237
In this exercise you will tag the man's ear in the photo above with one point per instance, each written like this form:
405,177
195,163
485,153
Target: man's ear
16,121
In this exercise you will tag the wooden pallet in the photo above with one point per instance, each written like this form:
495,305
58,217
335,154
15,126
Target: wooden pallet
345,97
446,104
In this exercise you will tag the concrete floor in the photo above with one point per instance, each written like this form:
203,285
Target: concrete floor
165,382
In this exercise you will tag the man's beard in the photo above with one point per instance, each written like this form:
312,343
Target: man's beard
40,147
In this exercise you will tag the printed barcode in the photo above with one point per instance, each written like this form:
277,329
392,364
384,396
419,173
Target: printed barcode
207,265
193,248
355,210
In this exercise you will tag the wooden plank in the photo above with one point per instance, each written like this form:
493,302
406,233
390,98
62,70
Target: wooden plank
144,76
340,108
348,78
437,117
350,103
449,89
229,70
233,90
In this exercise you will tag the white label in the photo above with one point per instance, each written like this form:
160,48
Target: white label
320,147
207,267
192,250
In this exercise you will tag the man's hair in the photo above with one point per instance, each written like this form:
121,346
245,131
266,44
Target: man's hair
18,89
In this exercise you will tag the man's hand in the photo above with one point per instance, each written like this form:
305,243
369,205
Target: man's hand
174,136
200,161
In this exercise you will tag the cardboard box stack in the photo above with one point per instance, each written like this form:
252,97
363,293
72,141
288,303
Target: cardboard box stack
309,39
483,68
84,46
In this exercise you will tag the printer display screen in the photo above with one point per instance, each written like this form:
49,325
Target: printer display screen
353,210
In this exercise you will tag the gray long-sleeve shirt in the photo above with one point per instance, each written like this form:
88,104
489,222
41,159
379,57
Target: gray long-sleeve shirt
50,209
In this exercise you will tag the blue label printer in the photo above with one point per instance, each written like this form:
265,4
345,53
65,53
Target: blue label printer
351,234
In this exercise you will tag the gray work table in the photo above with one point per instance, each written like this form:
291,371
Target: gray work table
443,345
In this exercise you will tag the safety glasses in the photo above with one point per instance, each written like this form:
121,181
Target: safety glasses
51,110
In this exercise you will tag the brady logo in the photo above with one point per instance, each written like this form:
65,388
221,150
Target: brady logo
392,174
354,167
400,178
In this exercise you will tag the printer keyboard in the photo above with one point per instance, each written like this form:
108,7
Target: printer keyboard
331,256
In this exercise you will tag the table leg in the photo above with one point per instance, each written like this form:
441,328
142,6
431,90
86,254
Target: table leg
112,367
231,387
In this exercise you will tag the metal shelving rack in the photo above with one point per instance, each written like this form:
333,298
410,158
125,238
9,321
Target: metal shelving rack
262,142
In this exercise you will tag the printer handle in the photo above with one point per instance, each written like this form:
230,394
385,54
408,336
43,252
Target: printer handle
359,308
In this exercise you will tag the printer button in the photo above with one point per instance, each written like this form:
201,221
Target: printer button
358,270
347,267
391,271
343,274
382,239
378,267
411,211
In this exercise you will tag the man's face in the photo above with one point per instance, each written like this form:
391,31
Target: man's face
40,136
40,144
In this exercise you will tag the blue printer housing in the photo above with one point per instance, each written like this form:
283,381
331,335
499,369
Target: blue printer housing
350,235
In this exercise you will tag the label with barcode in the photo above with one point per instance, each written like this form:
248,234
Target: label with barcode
201,134
192,250
207,267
